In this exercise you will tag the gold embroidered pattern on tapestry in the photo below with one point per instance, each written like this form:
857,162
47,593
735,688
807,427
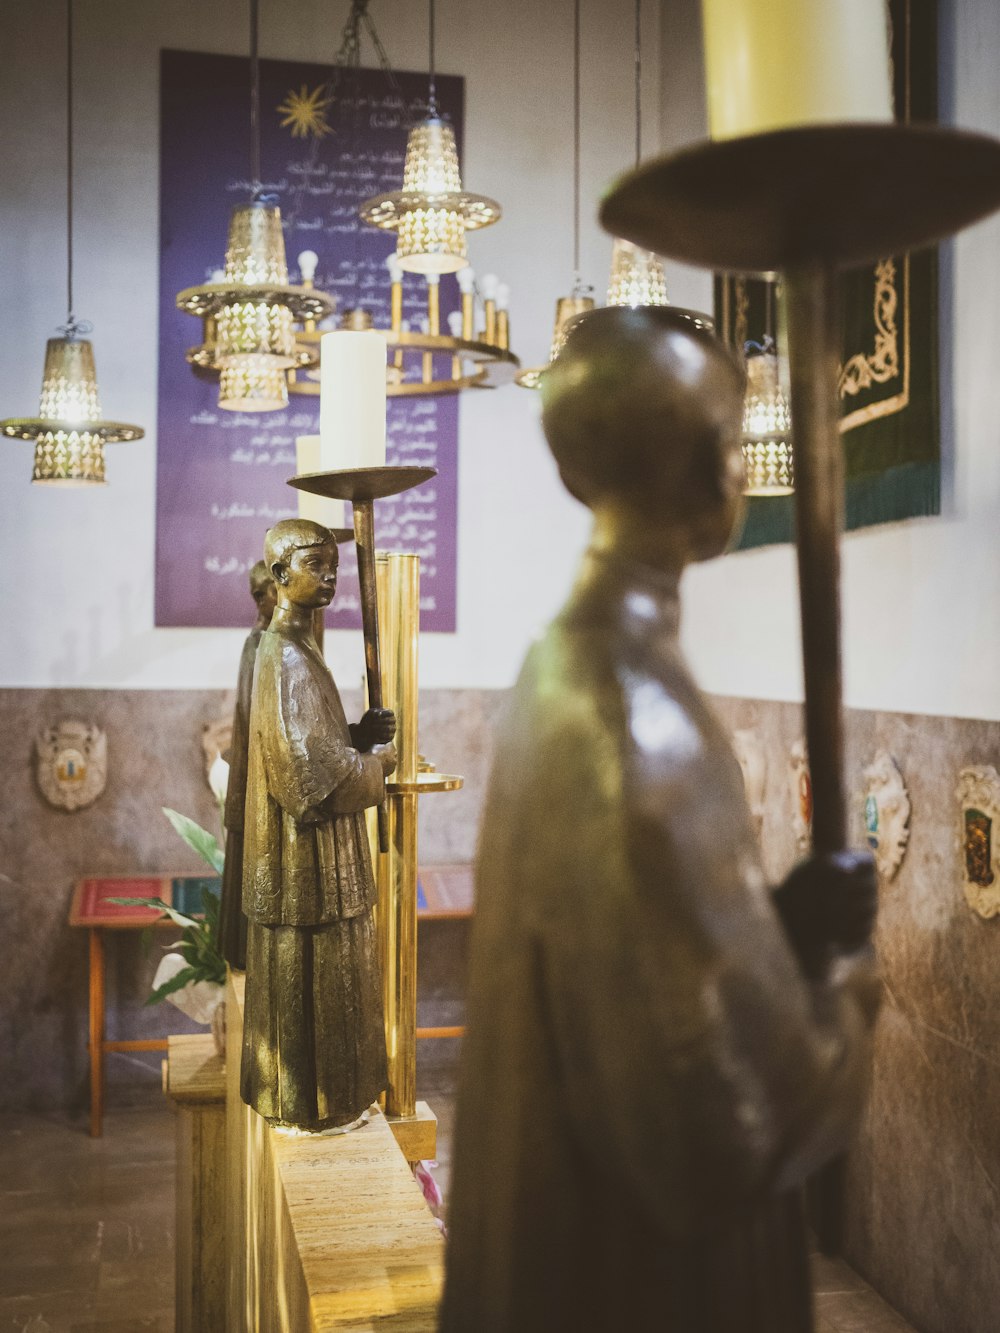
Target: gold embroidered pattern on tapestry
885,362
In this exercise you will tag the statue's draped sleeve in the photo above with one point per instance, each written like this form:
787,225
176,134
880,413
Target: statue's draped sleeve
312,769
307,860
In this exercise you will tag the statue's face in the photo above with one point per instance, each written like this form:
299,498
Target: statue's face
310,577
265,594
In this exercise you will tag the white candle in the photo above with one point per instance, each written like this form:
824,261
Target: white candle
352,400
770,64
316,507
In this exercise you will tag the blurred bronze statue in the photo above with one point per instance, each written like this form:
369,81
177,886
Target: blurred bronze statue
659,1049
313,1038
232,921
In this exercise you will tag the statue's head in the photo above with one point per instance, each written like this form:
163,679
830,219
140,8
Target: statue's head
262,589
642,410
302,558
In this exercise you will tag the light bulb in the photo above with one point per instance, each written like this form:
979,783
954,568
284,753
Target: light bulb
395,269
503,296
488,285
466,280
308,261
218,275
455,323
433,279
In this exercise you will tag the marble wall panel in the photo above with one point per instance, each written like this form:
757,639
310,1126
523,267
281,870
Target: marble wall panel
924,1177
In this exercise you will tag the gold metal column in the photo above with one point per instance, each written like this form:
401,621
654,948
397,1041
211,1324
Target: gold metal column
398,582
398,579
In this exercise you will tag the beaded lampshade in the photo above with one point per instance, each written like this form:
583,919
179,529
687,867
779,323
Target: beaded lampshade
249,315
636,277
568,308
767,427
69,433
432,213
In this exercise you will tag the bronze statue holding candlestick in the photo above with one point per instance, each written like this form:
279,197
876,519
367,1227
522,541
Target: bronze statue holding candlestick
313,1046
232,921
658,1051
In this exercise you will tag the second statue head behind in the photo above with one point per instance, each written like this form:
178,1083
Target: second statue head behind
302,557
642,410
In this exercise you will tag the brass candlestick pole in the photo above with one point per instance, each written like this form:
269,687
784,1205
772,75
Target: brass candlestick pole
393,598
398,579
809,201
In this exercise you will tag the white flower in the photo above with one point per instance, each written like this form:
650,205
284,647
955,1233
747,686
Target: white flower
218,778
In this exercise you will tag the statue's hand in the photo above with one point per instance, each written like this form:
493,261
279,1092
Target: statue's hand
377,727
828,906
386,755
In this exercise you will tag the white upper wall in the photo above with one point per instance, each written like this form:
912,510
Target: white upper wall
80,585
921,599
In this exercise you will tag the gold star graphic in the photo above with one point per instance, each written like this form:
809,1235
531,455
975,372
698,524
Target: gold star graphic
305,112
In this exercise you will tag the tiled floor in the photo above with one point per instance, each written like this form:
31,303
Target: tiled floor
86,1227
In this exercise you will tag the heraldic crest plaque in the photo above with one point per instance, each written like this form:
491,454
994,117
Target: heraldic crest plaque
979,800
71,764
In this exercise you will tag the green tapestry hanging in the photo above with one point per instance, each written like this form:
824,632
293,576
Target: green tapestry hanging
890,413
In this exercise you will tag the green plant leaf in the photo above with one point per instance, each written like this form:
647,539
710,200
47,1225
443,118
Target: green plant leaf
177,982
198,839
178,917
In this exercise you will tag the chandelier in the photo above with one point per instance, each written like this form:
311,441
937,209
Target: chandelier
69,433
637,276
430,216
431,213
473,353
248,316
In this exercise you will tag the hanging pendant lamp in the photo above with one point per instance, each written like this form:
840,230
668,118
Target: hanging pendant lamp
69,433
431,213
250,313
767,418
580,300
637,277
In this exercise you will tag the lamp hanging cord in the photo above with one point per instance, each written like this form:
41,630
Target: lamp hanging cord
432,106
70,320
255,181
638,81
576,145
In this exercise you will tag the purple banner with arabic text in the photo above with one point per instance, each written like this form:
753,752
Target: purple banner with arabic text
221,475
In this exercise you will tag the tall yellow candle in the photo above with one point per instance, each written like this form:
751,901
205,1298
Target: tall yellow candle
316,507
770,64
352,369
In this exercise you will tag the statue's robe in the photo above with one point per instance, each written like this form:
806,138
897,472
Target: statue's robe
232,921
647,1077
313,1040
